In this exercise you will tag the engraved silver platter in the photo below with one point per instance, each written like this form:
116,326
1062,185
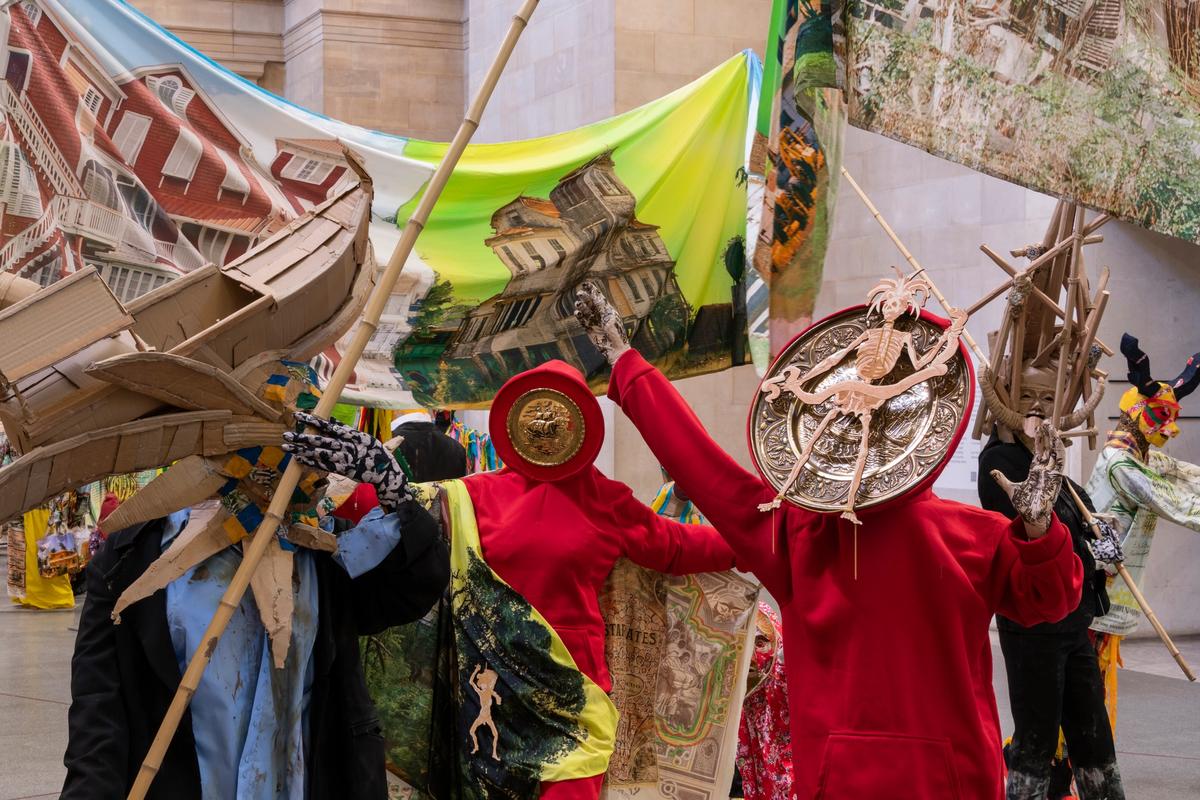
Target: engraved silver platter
911,434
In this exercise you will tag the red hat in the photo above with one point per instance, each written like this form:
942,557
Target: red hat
545,423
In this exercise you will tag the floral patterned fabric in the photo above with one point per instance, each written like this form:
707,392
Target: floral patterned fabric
764,739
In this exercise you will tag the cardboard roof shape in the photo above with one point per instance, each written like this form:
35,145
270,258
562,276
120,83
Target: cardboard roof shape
176,374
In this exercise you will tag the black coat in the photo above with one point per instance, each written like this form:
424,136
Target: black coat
1014,460
124,676
431,454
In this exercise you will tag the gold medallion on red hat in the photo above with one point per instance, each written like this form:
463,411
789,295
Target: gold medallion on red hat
545,422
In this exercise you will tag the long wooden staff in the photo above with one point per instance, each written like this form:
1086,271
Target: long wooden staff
1133,589
917,268
287,483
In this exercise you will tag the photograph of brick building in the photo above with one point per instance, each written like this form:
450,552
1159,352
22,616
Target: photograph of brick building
140,175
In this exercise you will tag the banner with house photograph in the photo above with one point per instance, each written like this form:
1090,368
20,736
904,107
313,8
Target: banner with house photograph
649,205
125,149
1096,100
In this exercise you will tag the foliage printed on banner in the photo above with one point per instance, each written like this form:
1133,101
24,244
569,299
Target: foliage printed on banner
1096,101
798,146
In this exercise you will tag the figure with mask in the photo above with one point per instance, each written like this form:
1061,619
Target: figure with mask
531,546
885,621
1054,681
1135,483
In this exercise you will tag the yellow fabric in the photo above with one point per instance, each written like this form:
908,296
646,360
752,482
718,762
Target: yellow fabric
1134,404
42,592
1110,660
599,716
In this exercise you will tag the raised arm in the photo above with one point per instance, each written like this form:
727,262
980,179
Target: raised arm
1168,487
727,494
1035,581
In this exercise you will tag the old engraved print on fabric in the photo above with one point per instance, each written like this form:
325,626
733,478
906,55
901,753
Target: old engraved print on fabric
910,434
546,427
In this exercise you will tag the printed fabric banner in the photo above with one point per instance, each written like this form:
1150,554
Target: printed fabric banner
797,146
1094,100
125,149
678,649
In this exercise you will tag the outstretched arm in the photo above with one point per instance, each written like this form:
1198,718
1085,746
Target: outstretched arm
1168,487
661,543
946,346
726,493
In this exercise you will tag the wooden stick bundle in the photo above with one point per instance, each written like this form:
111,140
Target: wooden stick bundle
273,518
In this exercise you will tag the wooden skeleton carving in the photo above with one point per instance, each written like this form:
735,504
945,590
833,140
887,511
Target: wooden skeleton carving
878,350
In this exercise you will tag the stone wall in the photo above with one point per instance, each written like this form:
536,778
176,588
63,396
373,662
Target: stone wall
392,65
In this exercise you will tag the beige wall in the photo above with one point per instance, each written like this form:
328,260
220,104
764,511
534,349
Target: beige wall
560,76
393,65
244,35
943,212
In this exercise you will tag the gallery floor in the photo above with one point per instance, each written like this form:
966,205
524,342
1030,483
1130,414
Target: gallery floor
1157,735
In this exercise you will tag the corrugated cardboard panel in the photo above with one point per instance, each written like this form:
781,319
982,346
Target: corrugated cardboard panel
56,322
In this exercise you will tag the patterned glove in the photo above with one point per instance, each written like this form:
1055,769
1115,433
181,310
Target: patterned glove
342,450
1107,547
600,322
1034,497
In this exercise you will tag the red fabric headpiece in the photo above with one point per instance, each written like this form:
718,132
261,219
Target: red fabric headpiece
560,377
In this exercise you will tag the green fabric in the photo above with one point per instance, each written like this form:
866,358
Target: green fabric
677,163
427,679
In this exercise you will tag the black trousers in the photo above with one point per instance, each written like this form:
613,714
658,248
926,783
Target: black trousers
1054,681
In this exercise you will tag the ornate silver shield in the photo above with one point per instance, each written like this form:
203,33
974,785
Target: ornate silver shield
910,434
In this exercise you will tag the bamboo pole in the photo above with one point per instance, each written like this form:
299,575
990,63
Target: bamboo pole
1133,589
917,268
1075,265
273,518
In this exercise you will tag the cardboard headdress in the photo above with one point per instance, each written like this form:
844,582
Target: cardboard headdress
202,374
545,423
1049,326
1154,405
865,406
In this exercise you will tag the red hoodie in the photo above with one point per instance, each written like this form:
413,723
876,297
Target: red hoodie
890,674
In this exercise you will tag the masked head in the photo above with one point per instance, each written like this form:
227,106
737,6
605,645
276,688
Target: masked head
1151,405
1035,403
545,423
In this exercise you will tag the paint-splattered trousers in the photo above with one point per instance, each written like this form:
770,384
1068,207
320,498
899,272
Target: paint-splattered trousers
1054,681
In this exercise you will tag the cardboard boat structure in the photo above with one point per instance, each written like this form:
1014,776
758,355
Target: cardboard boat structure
90,388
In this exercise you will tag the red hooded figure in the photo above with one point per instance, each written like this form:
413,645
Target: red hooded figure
885,623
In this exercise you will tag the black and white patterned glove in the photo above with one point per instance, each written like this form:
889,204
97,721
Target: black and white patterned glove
344,451
1034,497
1106,548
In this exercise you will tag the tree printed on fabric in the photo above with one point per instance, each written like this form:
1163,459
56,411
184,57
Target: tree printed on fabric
494,628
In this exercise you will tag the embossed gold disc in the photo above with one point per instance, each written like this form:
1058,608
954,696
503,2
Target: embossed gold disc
910,434
546,427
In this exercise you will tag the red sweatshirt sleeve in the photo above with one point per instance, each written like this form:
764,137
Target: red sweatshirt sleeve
663,544
725,493
1038,581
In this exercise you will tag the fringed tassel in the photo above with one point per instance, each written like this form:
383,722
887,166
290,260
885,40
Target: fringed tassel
1109,656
